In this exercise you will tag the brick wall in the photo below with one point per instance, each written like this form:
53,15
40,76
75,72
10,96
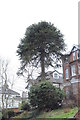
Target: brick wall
67,64
14,109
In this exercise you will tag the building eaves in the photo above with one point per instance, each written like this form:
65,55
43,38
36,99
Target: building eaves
8,91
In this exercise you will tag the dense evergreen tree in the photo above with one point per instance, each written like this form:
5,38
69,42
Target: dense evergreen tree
45,96
42,45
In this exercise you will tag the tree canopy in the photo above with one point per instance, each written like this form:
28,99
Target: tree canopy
45,95
41,45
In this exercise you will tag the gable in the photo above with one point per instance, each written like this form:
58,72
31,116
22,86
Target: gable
56,74
76,47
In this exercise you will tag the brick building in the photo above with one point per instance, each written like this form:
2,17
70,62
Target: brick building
71,73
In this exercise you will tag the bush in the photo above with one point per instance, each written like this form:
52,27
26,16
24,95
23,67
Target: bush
45,96
25,106
8,113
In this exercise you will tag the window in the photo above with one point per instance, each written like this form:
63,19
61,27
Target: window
73,55
67,74
73,70
78,54
79,69
55,75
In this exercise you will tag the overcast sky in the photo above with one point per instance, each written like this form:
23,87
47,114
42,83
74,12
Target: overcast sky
17,15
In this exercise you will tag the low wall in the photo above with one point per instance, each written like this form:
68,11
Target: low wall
14,109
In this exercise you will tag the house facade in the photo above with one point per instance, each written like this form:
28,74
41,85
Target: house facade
71,73
11,98
55,77
58,78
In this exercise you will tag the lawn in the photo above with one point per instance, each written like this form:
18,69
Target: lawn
0,115
59,113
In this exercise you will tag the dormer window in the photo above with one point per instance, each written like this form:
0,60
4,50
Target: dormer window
55,75
73,55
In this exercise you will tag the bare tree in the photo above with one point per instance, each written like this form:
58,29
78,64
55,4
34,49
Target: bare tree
3,76
28,74
5,80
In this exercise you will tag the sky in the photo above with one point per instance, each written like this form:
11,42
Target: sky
17,15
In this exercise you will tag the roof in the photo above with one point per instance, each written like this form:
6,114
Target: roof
57,72
74,48
8,91
49,73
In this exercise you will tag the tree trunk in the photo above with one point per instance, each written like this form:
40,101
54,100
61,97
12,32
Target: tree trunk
2,101
42,65
2,95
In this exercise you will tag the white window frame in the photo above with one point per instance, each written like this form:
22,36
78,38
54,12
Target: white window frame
74,56
55,75
73,68
67,73
77,54
79,69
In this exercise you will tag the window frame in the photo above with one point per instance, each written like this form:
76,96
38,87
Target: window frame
56,76
79,68
67,73
73,70
77,54
74,56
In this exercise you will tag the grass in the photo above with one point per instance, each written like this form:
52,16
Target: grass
60,113
0,115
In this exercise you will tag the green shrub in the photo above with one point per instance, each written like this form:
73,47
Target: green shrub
45,96
25,106
8,113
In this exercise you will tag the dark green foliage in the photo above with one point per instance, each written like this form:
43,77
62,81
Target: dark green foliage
25,106
42,45
8,113
45,96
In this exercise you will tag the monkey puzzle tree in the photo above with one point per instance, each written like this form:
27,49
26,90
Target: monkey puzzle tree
42,45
